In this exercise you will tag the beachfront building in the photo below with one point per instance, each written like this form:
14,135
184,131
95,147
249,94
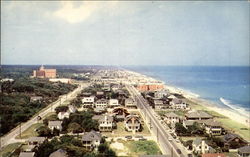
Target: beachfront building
201,147
233,141
101,104
149,87
132,123
171,118
91,139
161,93
44,73
130,103
178,104
88,101
212,127
113,103
244,151
57,124
198,115
159,105
106,122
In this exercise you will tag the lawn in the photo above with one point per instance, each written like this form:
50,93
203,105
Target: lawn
6,151
178,112
236,127
120,131
136,148
30,132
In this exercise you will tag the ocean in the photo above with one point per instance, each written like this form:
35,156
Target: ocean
226,86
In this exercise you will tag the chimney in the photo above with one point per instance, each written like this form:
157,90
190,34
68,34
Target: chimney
203,147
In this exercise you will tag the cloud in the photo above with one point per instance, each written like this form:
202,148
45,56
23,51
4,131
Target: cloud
75,14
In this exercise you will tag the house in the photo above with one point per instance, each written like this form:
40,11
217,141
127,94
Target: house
27,154
213,155
106,122
101,104
35,140
59,153
88,101
132,123
120,113
159,105
161,93
36,98
55,125
62,115
198,115
100,94
72,109
113,103
178,104
212,127
130,103
200,147
171,118
91,139
188,123
233,141
244,151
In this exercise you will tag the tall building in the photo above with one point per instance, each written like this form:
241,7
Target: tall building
44,73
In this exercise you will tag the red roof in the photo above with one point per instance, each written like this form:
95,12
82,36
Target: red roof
214,155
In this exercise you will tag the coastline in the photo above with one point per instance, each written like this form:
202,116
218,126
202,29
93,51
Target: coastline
206,104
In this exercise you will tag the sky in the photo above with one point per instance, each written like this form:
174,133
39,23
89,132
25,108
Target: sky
125,33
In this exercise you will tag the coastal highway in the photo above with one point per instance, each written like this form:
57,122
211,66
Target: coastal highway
10,137
165,140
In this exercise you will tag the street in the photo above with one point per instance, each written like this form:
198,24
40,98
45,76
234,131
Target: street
10,137
169,147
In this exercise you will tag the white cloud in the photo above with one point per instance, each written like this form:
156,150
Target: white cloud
73,14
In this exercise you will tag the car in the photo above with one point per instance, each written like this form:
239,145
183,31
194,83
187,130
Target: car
177,140
138,136
170,139
128,137
142,139
178,151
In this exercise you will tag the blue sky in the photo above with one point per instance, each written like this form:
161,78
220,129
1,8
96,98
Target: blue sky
125,33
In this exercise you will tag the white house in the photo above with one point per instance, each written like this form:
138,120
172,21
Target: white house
106,122
55,125
212,127
91,139
113,103
200,147
178,104
101,104
62,115
88,101
161,93
172,118
130,103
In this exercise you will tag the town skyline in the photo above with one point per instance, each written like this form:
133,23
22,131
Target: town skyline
125,33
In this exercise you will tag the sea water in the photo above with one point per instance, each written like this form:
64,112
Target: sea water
227,86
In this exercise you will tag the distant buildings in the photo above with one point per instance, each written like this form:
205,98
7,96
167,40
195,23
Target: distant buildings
62,80
44,73
149,87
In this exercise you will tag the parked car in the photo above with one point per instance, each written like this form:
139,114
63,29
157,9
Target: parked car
170,139
178,151
142,139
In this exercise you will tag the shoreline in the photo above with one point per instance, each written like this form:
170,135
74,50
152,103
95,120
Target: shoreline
213,106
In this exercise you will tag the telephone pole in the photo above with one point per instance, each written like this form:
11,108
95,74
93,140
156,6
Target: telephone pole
20,130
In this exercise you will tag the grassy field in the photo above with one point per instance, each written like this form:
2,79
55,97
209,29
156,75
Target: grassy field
178,112
30,132
120,131
136,148
6,151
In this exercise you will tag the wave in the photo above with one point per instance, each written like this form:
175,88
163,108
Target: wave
234,107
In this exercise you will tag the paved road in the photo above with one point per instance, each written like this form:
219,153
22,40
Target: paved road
10,137
169,147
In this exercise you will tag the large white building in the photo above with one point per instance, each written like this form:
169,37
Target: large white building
113,103
88,101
